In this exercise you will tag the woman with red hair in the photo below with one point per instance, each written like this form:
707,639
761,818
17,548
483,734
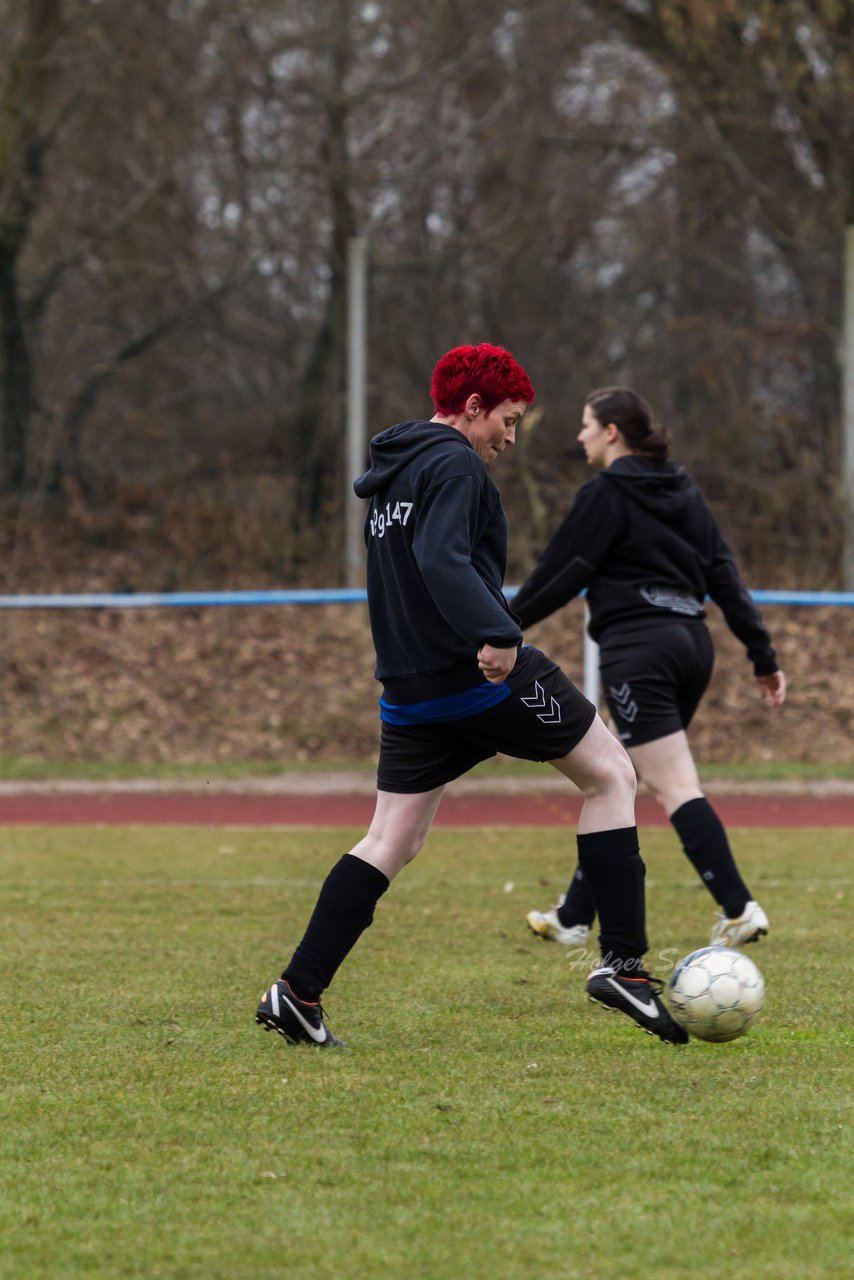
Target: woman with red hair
458,687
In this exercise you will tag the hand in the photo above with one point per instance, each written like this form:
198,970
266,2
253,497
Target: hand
773,688
496,664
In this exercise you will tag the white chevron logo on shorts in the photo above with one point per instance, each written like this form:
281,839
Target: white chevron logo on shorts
627,708
537,702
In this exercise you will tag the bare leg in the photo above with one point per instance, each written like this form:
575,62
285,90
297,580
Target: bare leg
601,769
349,894
667,769
399,827
608,854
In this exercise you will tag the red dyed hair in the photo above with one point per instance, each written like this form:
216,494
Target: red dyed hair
490,372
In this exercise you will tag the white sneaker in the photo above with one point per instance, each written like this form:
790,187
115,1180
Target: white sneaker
748,927
545,924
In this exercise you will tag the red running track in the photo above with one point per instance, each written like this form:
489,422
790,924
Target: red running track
249,810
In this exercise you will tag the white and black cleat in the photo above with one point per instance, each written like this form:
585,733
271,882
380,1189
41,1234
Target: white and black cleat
750,926
638,997
299,1021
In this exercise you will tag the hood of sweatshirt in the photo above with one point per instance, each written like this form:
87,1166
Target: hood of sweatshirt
394,449
663,489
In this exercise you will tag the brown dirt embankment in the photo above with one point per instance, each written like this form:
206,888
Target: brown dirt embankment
295,683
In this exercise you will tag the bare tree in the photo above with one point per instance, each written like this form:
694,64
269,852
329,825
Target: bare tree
764,135
617,192
27,123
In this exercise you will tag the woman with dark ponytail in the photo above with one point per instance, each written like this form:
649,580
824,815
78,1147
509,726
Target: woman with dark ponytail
642,540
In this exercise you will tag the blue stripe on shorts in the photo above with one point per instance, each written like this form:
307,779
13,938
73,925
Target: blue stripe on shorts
454,706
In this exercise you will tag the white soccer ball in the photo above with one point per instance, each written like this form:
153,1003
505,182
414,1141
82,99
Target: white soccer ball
716,993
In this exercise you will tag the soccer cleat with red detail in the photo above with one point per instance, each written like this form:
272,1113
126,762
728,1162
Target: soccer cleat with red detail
299,1021
638,997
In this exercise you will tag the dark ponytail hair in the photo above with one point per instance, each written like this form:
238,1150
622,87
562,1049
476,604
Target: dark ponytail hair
631,414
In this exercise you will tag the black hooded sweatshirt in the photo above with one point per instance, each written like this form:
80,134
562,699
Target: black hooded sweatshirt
642,541
436,535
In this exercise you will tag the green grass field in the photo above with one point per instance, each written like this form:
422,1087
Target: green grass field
485,1120
37,769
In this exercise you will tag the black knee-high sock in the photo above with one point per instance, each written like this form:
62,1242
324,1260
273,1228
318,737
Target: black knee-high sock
578,906
344,909
614,871
706,846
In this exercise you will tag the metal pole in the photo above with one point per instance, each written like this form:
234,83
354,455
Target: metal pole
847,361
591,664
357,364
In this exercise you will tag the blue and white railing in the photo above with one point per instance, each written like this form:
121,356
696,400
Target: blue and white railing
334,595
345,595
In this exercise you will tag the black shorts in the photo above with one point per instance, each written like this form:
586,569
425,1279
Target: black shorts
543,719
653,681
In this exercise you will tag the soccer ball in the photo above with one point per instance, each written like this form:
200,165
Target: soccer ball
716,993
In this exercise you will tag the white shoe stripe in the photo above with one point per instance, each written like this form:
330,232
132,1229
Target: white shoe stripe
274,998
650,1009
319,1037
